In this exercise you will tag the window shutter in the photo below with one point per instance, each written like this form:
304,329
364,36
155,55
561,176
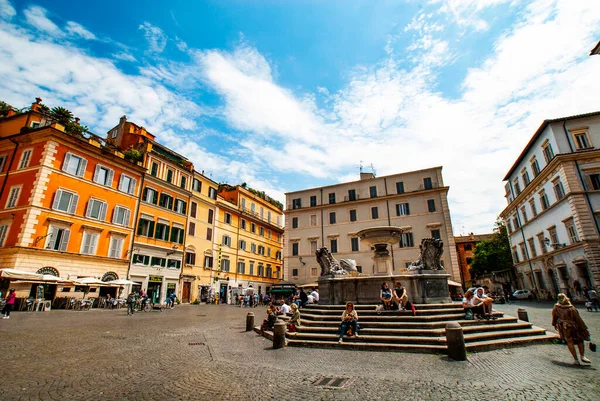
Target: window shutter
96,172
167,230
121,185
64,241
66,162
126,217
73,205
410,240
57,197
181,234
154,197
50,237
407,209
132,185
115,215
86,243
170,201
144,194
151,229
184,207
161,202
140,227
103,207
88,210
82,167
109,177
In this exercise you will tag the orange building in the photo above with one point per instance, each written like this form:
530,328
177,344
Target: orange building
465,246
67,201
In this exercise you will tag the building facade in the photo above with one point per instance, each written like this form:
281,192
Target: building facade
553,195
332,216
68,203
248,243
465,246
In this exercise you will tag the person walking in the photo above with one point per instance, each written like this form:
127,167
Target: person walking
130,303
10,302
570,327
593,297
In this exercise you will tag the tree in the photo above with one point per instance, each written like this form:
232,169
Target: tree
4,108
62,115
492,255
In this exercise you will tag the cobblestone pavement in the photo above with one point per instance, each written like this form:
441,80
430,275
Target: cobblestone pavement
203,353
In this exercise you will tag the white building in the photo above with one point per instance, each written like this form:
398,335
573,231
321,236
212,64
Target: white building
331,216
553,194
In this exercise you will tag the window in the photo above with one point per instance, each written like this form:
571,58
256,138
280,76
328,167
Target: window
225,265
242,245
154,169
313,220
150,195
278,255
532,249
190,258
166,201
559,191
373,192
193,209
192,229
402,209
127,184
296,203
431,205
571,231
226,240
516,222
553,235
313,247
294,249
523,250
524,213
26,157
253,247
400,187
544,200
427,184
103,175
542,242
251,268
253,228
261,250
227,218
174,264
295,272
159,262
162,230
509,226
3,233
2,162
96,209
436,234
242,224
177,235
374,212
13,197
332,198
241,268
517,186
582,141
535,166
269,216
334,247
533,207
73,164
548,152
183,181
169,175
261,231
115,249
209,234
469,260
141,259
197,185
595,181
89,242
211,214
208,262
121,216
313,201
58,238
525,176
332,218
353,215
262,212
351,194
145,227
354,244
406,240
515,254
468,247
243,203
314,271
212,193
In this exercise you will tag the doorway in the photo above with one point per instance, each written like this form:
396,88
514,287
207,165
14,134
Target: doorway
185,295
552,274
223,294
154,292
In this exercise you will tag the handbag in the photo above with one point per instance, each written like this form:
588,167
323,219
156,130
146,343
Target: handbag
591,345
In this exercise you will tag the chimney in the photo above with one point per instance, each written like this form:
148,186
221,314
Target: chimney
366,176
202,172
77,120
36,106
123,120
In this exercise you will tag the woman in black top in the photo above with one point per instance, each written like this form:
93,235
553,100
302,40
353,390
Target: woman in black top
386,296
400,297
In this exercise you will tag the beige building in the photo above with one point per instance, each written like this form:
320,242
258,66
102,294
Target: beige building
331,216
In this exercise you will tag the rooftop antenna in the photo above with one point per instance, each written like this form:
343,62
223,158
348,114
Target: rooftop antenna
361,166
373,170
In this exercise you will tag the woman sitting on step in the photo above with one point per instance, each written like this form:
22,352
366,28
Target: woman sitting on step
469,304
400,297
386,296
294,321
269,323
349,322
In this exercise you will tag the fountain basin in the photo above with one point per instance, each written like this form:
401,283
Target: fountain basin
380,235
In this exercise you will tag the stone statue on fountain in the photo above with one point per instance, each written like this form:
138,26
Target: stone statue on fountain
431,254
330,266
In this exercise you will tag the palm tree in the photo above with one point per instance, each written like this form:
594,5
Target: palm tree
61,115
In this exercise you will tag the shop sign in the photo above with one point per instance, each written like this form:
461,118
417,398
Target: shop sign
155,279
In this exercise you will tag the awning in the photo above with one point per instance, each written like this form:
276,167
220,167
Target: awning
13,274
454,284
281,291
122,282
310,285
93,282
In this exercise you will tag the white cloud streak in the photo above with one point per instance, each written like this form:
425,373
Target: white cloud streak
76,29
157,40
7,11
36,16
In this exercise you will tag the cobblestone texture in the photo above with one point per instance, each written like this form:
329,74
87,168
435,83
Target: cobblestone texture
202,352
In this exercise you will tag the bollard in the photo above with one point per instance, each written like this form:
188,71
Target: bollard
455,341
250,321
522,314
279,334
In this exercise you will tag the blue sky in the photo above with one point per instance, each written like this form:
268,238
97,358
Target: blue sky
287,95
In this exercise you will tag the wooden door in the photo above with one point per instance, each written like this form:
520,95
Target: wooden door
185,297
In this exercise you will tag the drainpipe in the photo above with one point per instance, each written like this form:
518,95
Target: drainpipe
12,158
137,211
387,205
322,222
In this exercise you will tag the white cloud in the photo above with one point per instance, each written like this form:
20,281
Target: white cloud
466,13
157,40
36,16
7,11
124,56
76,29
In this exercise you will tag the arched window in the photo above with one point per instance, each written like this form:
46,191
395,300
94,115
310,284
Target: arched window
51,271
110,276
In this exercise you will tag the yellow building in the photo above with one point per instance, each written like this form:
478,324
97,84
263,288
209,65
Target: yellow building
248,242
199,257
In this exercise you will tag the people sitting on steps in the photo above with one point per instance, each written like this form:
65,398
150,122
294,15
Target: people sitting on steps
386,296
284,308
481,298
269,323
470,305
294,321
349,324
400,297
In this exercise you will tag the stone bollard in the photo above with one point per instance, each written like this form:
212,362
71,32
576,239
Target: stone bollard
250,321
279,334
522,314
455,341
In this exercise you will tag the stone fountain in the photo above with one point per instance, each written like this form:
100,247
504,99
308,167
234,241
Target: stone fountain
426,281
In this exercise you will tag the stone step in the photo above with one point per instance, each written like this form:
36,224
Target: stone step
489,345
372,306
389,318
409,324
532,331
419,348
419,312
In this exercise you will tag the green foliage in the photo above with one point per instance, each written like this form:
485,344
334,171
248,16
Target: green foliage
77,129
44,109
61,115
492,255
4,108
195,302
133,155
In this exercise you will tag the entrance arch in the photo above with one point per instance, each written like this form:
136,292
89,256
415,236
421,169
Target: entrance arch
49,270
